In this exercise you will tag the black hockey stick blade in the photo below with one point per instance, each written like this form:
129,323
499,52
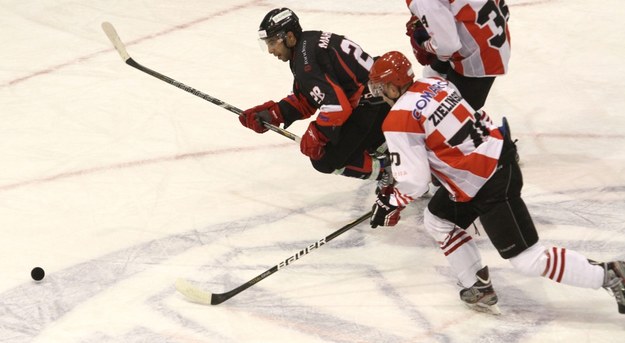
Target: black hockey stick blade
112,35
200,296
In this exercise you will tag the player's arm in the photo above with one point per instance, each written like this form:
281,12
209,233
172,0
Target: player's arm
410,167
411,172
295,107
334,109
441,26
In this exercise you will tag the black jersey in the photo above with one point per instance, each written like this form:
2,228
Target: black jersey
330,73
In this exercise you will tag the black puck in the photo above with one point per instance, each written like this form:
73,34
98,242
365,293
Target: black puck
37,273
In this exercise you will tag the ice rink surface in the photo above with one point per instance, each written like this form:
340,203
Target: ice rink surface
117,183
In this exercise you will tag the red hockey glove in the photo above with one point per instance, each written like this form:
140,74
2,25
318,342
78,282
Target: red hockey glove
423,57
254,117
384,214
418,34
313,142
411,25
416,30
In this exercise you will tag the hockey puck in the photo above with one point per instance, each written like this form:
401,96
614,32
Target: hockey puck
37,273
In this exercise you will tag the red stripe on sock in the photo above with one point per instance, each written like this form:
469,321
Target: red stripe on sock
453,236
555,263
548,265
452,249
562,264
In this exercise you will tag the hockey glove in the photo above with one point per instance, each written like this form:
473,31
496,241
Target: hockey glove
384,214
418,34
416,30
313,142
255,117
423,57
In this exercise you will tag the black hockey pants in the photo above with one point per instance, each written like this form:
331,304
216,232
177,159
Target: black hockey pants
361,133
499,206
473,89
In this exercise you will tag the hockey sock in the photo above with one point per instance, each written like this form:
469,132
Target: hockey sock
572,268
457,245
560,265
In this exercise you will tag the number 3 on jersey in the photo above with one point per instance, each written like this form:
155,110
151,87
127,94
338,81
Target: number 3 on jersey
495,17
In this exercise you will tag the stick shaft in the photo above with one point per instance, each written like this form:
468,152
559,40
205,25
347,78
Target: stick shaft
219,298
111,33
198,295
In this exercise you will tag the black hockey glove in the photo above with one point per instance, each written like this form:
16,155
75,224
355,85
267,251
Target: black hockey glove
384,214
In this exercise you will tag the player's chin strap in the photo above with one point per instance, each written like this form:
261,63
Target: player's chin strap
121,49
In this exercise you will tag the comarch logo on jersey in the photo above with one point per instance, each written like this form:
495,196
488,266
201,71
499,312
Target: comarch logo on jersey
426,97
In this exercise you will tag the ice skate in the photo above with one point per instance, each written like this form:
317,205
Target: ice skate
614,282
481,296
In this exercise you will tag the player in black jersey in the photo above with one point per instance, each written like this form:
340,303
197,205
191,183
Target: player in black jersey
330,79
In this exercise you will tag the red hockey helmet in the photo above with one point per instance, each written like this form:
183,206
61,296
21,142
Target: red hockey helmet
392,67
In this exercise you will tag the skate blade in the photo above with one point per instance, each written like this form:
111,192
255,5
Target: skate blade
483,308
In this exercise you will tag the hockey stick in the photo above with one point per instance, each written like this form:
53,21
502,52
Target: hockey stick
195,294
121,49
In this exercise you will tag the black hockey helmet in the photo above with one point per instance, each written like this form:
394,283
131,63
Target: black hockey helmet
278,22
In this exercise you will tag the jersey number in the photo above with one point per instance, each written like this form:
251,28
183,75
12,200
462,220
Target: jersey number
363,59
473,129
498,15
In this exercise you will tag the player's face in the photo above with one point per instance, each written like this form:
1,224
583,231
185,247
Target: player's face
387,91
376,88
391,93
277,47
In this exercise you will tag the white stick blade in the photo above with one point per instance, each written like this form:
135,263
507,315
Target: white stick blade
114,38
192,292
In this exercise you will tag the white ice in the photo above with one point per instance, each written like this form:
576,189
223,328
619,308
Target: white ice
117,183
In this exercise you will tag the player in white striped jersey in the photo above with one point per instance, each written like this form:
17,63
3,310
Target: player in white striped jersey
472,35
431,130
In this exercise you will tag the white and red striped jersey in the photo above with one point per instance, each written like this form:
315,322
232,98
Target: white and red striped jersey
472,34
432,130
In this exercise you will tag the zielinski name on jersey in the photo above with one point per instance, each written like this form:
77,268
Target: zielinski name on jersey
445,108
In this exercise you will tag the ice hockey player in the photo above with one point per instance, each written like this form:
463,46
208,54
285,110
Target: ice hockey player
467,41
432,130
330,77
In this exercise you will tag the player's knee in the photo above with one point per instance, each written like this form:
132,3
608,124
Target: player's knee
437,227
531,261
322,167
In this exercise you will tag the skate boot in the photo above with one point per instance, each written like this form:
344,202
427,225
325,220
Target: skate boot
614,282
481,296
